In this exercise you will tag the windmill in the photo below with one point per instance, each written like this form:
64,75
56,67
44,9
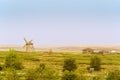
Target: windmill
29,45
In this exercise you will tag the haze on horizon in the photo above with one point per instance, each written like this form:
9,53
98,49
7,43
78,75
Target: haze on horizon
60,22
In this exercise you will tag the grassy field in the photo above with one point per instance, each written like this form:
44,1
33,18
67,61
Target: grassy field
56,59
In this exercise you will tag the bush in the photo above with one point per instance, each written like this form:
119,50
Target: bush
95,63
70,75
42,73
69,64
12,60
115,75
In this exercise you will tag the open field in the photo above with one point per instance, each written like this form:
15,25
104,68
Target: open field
56,59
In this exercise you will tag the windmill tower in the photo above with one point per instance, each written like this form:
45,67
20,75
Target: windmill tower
29,45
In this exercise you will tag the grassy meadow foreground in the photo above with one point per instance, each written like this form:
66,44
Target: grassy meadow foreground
55,61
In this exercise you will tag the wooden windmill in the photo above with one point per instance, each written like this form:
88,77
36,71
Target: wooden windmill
29,45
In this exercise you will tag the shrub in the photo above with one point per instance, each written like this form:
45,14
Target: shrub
69,64
95,63
42,73
12,60
114,75
70,75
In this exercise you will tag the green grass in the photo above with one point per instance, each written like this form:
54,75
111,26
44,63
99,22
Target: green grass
32,60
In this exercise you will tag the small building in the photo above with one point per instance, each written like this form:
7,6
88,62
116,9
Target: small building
88,51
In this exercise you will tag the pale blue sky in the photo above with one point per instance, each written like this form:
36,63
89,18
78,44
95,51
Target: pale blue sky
60,22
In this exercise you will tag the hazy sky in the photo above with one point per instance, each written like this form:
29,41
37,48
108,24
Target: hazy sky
60,22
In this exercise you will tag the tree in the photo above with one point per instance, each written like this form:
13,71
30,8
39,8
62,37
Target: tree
13,61
95,63
70,64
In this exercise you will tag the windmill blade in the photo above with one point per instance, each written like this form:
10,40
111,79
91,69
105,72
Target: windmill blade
30,42
25,40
